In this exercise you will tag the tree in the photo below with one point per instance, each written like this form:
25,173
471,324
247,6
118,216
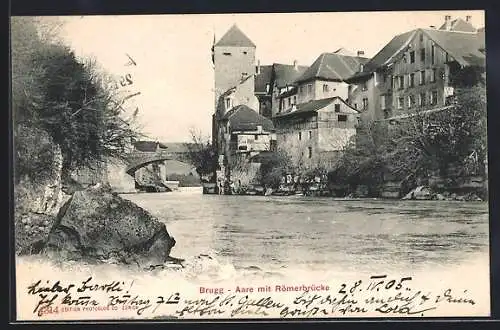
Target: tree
55,92
202,154
274,166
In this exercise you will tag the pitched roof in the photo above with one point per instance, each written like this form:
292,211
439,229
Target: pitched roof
332,66
242,118
263,78
313,106
234,37
390,49
285,74
345,52
459,25
462,46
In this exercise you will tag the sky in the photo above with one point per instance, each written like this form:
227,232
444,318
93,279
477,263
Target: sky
174,71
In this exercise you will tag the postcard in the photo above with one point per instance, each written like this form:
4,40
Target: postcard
250,166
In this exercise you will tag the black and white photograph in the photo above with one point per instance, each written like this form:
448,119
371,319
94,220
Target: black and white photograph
250,166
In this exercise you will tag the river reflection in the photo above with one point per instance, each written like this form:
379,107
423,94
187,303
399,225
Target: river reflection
354,235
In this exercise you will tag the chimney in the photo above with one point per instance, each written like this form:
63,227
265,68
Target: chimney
468,18
295,64
257,69
447,22
361,53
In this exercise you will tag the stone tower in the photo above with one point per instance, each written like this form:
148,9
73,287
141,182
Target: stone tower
234,60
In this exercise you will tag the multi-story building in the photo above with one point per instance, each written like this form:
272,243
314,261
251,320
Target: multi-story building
314,133
313,121
273,80
414,70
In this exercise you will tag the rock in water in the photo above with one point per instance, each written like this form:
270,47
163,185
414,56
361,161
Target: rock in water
97,225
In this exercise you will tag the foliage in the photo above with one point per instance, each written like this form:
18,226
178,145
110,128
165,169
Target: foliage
274,166
185,180
34,154
54,91
424,144
202,154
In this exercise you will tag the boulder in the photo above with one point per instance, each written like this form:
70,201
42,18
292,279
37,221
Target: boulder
96,224
419,193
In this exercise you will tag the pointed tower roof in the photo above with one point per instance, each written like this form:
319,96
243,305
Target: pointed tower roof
235,38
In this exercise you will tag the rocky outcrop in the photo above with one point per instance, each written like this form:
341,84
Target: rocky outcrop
96,224
38,193
427,193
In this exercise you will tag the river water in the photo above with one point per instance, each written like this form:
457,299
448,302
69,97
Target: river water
270,233
262,242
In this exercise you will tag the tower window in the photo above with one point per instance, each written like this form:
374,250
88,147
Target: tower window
310,152
245,53
227,54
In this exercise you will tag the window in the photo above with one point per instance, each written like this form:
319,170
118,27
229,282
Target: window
412,80
433,75
267,88
342,117
300,136
422,77
401,82
310,135
365,103
432,54
325,88
364,87
421,99
434,96
401,101
382,102
289,101
295,99
355,105
301,89
281,104
411,101
309,88
412,56
337,107
256,137
227,54
422,55
309,152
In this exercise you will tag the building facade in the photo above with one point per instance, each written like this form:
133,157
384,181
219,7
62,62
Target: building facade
314,134
313,121
413,71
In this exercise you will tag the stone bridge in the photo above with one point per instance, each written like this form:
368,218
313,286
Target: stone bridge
137,159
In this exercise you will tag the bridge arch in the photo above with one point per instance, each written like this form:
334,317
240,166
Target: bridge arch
138,159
